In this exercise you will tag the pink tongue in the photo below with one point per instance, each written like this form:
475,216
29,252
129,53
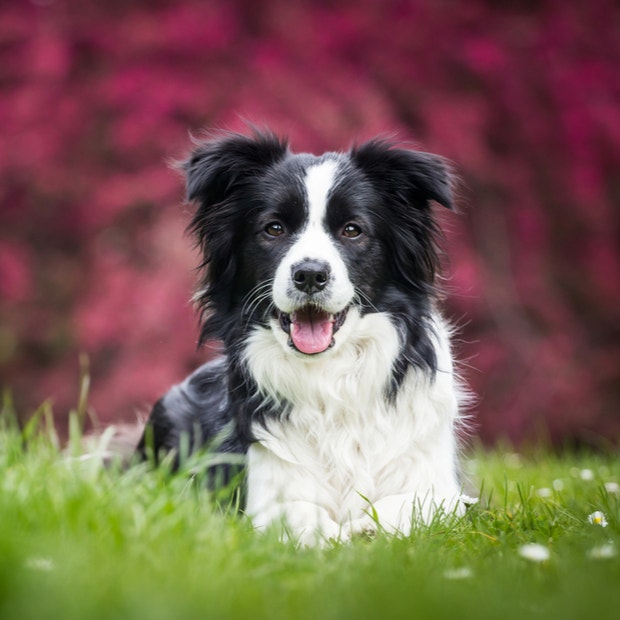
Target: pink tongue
311,330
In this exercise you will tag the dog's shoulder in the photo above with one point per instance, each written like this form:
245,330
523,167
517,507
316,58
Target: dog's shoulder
196,410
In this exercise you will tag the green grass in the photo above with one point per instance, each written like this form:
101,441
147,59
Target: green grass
78,540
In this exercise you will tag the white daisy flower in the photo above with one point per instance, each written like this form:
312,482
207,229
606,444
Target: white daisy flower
586,474
468,501
534,552
544,492
458,573
597,518
612,487
39,563
603,552
558,485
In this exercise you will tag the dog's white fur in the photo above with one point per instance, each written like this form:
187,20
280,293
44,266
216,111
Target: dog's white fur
346,459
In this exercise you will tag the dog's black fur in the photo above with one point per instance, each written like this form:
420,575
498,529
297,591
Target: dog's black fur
239,183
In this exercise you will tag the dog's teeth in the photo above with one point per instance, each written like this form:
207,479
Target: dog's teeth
285,322
339,319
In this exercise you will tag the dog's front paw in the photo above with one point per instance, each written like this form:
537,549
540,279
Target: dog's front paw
300,522
392,514
364,528
311,536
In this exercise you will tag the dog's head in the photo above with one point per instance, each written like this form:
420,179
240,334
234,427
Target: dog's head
292,242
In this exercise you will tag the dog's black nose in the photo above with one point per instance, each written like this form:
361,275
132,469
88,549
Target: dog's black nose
310,276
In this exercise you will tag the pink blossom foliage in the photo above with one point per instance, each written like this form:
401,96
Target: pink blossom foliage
97,97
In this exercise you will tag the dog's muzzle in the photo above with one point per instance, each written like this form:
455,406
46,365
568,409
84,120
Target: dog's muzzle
310,329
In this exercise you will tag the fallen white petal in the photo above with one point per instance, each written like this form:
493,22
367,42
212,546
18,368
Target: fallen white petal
603,552
458,573
534,552
612,487
39,563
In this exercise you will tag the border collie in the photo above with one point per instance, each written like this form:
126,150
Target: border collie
337,381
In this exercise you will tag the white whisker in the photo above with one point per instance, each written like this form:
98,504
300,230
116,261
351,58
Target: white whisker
363,298
260,294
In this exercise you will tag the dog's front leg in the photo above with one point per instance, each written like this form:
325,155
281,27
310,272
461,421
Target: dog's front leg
285,495
394,514
299,521
397,514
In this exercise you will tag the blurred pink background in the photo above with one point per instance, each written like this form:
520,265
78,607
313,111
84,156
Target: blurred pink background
524,97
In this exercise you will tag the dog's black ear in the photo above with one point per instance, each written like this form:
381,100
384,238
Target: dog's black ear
415,176
220,166
217,174
406,183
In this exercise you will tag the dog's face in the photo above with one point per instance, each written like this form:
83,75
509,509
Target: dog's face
316,248
293,242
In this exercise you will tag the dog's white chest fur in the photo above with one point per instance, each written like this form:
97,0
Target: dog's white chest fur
319,276
345,450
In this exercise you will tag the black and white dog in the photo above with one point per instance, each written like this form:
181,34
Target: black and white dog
337,380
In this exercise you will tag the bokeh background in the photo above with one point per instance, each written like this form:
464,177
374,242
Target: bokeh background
524,97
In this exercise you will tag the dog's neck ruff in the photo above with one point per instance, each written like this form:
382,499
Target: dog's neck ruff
356,370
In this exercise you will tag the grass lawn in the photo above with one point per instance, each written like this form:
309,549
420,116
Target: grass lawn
78,540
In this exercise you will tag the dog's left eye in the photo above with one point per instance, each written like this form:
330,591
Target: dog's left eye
274,229
351,231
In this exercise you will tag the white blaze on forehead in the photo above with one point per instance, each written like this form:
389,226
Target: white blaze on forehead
315,243
319,181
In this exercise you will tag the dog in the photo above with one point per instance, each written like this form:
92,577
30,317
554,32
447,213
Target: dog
336,383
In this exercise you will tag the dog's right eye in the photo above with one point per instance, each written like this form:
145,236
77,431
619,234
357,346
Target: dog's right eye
274,229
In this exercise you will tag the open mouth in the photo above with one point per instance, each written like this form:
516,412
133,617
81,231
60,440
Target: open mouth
310,329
